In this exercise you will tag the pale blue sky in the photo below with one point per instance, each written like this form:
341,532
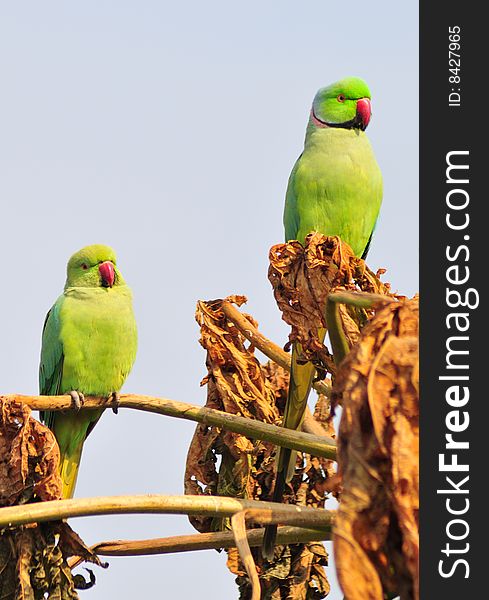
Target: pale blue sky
168,130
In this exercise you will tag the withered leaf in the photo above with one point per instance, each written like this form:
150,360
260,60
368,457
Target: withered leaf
235,384
29,457
33,558
301,566
81,583
33,562
238,383
376,531
302,277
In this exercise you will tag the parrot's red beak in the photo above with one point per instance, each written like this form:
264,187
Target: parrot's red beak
107,272
364,111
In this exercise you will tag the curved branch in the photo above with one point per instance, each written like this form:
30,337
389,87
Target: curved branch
259,512
238,526
199,541
205,541
359,299
336,333
296,440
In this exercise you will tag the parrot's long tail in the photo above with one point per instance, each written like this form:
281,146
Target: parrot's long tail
301,378
271,530
68,469
71,431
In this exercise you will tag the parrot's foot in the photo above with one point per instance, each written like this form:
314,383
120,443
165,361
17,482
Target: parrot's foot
115,400
77,398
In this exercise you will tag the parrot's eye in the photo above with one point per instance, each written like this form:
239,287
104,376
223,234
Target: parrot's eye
84,266
341,98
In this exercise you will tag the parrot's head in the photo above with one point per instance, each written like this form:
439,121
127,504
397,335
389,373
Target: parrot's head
93,266
344,104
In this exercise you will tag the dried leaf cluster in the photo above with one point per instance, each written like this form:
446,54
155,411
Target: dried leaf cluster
29,457
226,463
302,277
33,559
376,533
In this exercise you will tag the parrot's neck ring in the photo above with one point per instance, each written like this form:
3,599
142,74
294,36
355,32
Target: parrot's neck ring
355,123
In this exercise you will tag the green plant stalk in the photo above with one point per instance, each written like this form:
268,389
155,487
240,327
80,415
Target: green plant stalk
204,541
257,511
359,299
289,438
336,333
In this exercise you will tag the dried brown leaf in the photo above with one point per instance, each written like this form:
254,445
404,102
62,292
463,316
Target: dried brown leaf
238,383
301,566
232,364
376,531
29,457
71,544
302,277
33,558
34,562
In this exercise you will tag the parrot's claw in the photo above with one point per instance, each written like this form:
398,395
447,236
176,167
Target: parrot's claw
77,398
115,400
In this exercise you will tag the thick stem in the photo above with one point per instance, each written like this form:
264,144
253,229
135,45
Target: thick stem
296,440
257,511
205,541
333,318
336,333
359,299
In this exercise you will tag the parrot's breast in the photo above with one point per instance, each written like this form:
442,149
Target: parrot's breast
337,187
99,337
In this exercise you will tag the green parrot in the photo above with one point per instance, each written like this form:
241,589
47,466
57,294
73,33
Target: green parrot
335,188
89,343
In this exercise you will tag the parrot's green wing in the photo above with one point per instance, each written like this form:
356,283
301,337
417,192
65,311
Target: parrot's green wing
367,247
50,384
291,214
51,364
